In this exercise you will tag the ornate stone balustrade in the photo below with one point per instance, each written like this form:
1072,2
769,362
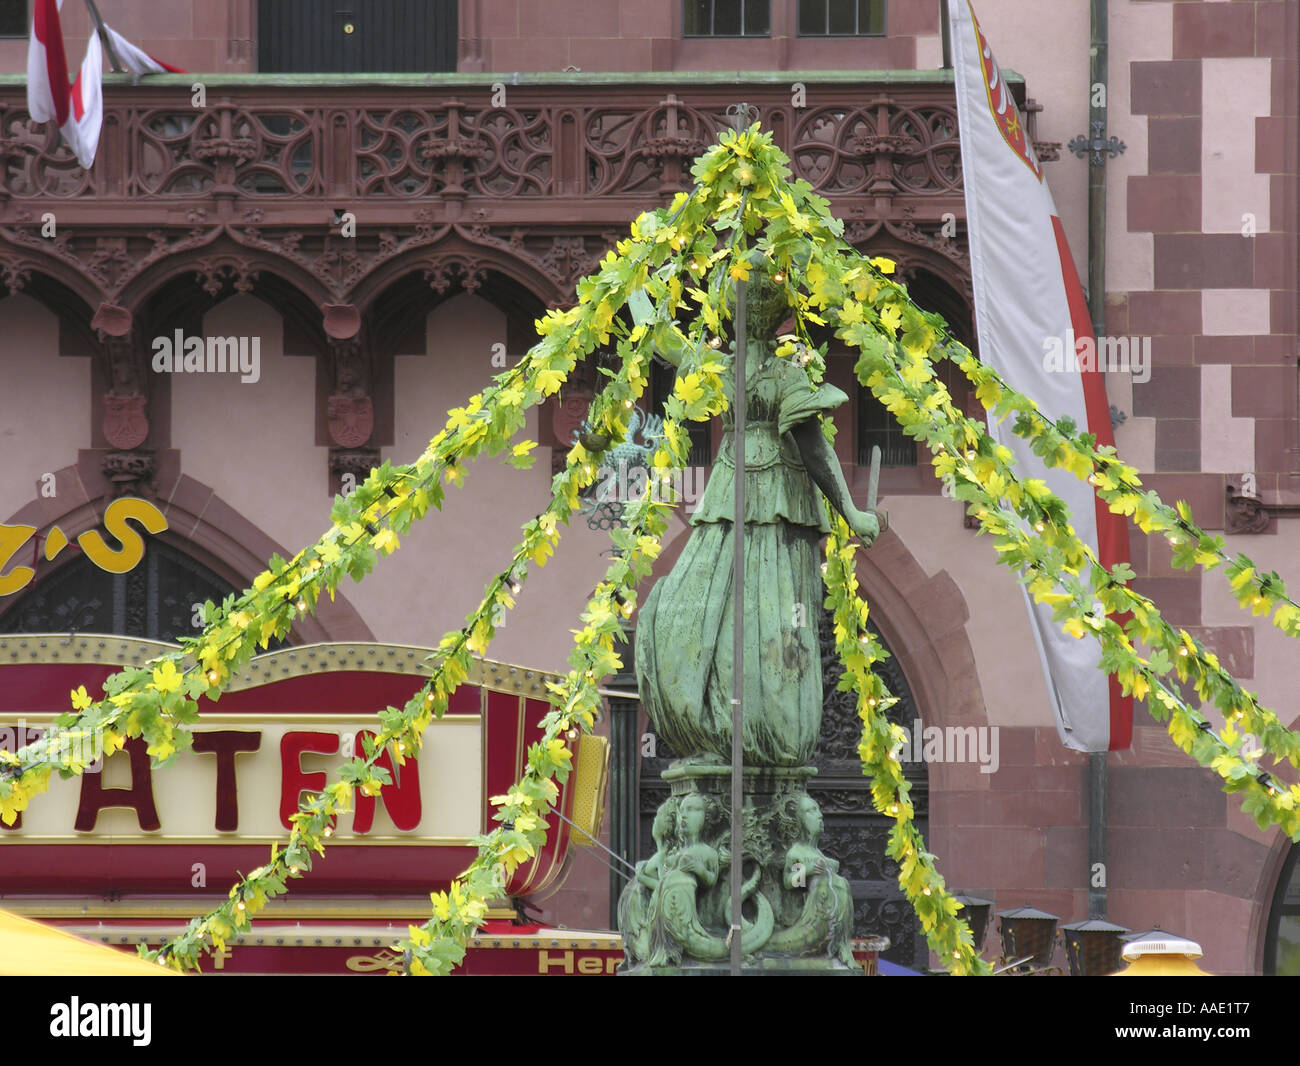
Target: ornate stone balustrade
339,184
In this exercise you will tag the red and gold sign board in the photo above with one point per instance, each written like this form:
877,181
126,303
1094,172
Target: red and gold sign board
502,949
166,841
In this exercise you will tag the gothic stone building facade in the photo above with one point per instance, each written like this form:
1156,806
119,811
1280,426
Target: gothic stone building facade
385,206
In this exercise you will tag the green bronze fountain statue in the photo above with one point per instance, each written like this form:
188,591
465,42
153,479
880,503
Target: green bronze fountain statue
797,910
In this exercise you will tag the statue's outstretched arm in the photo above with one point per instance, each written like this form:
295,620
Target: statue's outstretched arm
670,342
824,467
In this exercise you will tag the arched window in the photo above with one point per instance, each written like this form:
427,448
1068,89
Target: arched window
1282,942
875,425
156,600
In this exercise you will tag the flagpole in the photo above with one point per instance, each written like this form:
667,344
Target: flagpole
105,40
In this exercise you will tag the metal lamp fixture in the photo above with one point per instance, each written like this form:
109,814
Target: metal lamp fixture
976,911
1028,936
1093,947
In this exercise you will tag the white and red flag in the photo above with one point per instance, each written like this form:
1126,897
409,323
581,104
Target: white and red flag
1028,303
78,109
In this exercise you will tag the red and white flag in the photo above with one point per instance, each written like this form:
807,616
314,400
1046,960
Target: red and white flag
78,109
137,60
1029,305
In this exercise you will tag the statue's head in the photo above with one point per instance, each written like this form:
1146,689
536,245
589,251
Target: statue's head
665,821
691,813
766,306
800,818
810,816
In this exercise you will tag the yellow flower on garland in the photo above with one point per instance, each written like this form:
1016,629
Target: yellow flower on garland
166,678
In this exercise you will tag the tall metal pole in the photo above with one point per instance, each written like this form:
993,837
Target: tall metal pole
945,34
1099,70
1097,309
738,631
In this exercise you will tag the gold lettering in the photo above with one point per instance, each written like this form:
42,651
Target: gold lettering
545,962
11,539
115,518
589,964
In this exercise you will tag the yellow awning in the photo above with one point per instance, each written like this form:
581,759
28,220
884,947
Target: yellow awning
30,949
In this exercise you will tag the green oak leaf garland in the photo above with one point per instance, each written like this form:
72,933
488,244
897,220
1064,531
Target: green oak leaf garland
697,250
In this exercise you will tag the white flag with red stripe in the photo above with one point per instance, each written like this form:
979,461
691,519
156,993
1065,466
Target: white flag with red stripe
47,66
77,109
137,60
1029,305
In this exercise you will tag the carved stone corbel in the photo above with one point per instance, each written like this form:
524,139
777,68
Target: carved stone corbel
1245,514
128,466
351,410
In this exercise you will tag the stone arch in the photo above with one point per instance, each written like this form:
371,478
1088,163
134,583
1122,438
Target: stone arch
64,292
456,260
399,297
1276,866
202,526
221,262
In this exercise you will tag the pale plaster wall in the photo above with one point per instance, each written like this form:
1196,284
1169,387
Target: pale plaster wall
44,401
438,576
252,443
1011,679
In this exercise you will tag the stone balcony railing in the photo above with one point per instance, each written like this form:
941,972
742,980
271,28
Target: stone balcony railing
461,176
578,148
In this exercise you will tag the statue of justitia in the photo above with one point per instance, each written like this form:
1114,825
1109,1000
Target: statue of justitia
684,644
797,913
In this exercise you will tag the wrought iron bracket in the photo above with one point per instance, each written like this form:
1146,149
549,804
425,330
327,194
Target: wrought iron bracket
1098,145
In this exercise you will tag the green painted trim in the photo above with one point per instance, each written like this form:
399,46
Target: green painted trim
681,80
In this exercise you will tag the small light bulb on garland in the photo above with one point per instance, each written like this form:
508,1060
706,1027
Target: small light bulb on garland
293,871
627,404
779,277
715,342
572,734
213,677
301,605
240,906
893,808
328,831
1040,527
514,584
